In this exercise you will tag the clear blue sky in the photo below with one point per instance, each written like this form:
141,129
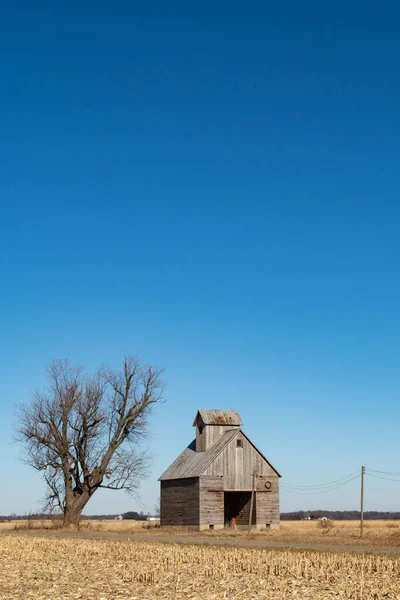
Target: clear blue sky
215,187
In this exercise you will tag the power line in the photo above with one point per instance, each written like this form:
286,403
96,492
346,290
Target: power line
310,490
319,491
323,491
397,473
381,477
322,485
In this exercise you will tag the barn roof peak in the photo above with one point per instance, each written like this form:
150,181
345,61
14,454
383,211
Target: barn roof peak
218,417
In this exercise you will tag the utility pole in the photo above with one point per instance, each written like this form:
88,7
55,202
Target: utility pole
362,502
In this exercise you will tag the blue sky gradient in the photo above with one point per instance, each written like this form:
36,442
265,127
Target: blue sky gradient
215,189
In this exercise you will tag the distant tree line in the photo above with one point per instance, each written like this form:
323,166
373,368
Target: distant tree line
137,516
134,516
51,516
299,515
339,515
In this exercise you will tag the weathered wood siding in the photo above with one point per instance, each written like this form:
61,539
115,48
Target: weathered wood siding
237,465
211,501
179,503
196,495
268,512
210,434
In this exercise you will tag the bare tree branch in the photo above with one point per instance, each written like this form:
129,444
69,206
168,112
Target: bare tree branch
84,432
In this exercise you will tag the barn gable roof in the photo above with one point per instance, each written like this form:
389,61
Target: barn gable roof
218,417
192,464
260,453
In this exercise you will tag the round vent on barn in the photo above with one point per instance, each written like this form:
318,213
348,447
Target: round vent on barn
268,485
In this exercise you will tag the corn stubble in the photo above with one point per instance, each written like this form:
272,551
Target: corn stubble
61,569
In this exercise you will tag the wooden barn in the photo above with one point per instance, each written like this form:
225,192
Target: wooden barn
219,478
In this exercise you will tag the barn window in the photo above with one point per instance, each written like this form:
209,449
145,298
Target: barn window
200,428
238,443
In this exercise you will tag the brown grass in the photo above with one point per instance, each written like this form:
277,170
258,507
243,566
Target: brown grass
66,569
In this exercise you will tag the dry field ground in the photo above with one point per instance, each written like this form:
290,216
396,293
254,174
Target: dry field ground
40,568
341,533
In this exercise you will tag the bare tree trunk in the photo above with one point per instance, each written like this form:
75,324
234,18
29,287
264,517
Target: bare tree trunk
72,516
73,509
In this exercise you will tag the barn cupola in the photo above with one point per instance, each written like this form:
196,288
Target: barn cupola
211,424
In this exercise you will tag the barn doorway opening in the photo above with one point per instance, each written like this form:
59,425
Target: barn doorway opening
237,506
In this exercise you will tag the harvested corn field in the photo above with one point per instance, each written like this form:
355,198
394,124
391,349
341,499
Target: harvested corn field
331,533
49,569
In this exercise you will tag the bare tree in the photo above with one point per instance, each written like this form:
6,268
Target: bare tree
84,432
